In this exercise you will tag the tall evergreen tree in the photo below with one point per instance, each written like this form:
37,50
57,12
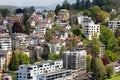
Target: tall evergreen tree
13,65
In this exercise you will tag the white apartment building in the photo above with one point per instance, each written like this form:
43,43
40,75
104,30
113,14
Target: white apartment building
75,59
41,71
81,19
90,29
40,29
60,23
55,45
5,41
114,25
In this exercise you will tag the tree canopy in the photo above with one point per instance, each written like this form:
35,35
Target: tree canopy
107,38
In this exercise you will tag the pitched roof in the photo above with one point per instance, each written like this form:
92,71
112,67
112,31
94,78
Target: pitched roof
73,38
56,41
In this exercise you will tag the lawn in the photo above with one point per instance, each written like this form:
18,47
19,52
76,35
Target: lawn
116,77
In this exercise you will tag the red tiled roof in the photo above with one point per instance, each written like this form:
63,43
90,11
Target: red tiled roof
73,38
56,41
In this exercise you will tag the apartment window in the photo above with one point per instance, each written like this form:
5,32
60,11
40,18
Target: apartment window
21,67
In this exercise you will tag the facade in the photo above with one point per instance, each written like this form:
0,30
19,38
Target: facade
5,56
20,40
60,75
90,29
61,34
114,25
101,52
7,77
55,45
60,23
36,38
75,59
41,29
42,71
116,66
5,42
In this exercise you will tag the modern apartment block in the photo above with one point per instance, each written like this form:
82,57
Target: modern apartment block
90,29
114,25
42,71
75,59
5,42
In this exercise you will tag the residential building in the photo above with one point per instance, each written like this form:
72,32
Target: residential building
70,39
75,59
38,51
5,41
40,29
63,15
60,75
34,19
82,19
5,56
20,40
61,34
42,71
116,66
55,45
101,52
114,25
37,38
7,77
60,23
90,29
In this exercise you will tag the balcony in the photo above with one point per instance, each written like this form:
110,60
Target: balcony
29,68
29,77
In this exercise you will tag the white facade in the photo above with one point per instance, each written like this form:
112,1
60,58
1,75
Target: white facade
90,29
114,25
75,59
5,42
39,29
56,47
81,19
33,72
60,23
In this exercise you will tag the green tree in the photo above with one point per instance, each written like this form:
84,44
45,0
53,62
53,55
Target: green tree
5,12
53,56
73,43
89,58
27,28
109,71
13,65
99,15
23,58
48,35
63,48
95,46
58,7
87,13
112,56
46,51
76,31
1,16
107,38
98,69
66,5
